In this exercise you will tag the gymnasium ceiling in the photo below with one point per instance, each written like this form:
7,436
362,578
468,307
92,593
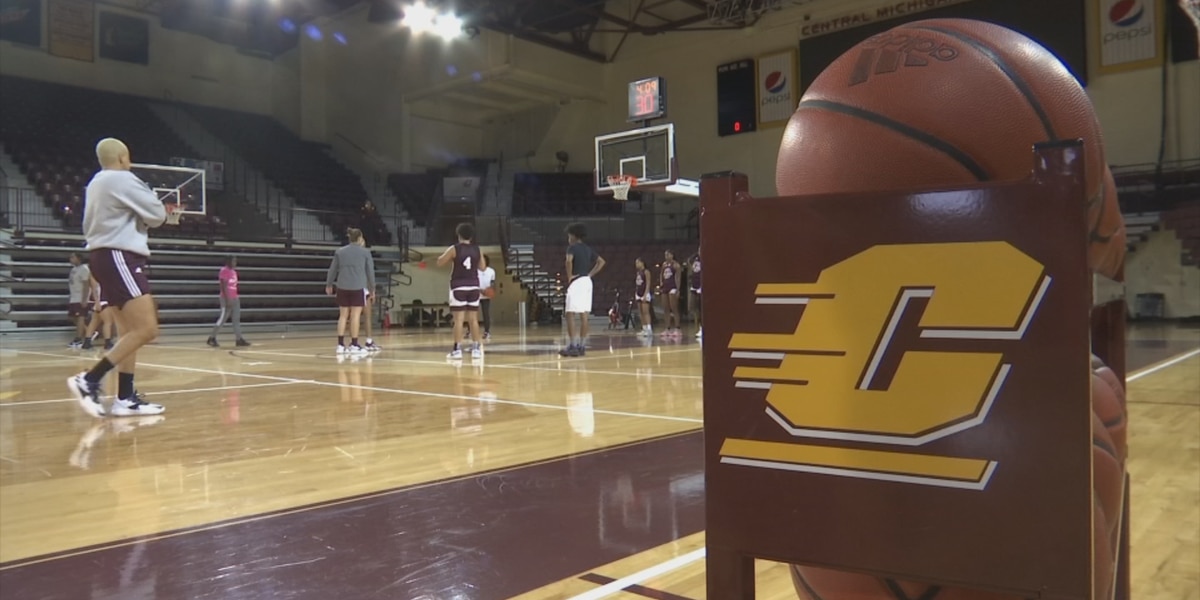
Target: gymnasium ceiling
271,27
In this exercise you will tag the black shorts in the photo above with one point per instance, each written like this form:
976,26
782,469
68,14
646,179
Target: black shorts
121,275
77,309
351,298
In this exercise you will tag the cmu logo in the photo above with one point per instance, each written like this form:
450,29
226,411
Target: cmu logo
846,374
889,52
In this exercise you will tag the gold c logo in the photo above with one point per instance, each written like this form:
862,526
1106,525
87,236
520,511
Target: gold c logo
837,377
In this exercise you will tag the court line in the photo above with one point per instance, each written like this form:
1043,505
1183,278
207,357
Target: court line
636,589
1161,365
609,589
601,411
152,537
159,393
486,365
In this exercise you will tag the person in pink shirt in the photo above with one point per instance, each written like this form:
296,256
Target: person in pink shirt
231,305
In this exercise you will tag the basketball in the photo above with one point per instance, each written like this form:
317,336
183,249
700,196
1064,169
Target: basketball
943,102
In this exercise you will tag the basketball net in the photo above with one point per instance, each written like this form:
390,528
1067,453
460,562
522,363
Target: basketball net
174,213
620,185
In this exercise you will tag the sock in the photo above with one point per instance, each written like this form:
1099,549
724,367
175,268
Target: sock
341,340
456,346
99,371
95,335
125,386
353,341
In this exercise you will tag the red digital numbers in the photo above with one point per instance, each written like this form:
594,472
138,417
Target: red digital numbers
646,96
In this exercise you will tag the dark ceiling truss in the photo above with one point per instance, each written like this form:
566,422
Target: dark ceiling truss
569,25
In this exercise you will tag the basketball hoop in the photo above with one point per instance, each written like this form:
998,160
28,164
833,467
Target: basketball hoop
620,185
174,213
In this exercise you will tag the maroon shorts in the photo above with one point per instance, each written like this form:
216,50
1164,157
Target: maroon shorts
350,297
76,309
121,275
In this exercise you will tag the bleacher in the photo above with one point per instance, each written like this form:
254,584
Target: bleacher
415,192
301,169
1184,220
560,194
51,130
277,284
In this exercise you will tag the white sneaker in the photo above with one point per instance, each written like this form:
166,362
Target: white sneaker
700,334
356,350
341,349
86,394
477,353
455,355
135,407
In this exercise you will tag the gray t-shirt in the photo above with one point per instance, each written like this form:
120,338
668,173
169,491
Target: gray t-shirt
353,268
118,210
78,283
585,259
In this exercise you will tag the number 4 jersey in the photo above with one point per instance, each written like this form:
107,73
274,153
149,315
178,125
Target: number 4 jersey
465,275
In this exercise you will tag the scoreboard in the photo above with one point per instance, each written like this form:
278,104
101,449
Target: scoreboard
647,99
737,103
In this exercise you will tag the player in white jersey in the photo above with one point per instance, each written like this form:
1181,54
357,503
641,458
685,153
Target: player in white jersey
77,286
119,209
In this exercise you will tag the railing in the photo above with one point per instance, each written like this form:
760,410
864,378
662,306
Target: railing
630,227
24,210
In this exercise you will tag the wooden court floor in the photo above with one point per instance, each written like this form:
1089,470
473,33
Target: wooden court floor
282,471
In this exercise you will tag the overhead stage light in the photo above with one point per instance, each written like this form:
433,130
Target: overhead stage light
448,26
419,18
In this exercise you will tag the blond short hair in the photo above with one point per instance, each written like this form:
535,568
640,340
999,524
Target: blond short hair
109,152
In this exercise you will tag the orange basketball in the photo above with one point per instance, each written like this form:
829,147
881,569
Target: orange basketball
941,102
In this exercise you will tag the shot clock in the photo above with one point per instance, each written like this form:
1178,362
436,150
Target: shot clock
647,99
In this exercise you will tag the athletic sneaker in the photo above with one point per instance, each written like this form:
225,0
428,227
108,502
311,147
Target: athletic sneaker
212,341
135,407
487,335
455,355
341,350
242,343
87,394
108,344
356,350
699,334
373,347
75,344
87,344
571,350
477,353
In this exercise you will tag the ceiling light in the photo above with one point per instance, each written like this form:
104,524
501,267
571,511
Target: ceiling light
448,26
419,18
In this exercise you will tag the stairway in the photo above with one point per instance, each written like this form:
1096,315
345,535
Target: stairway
530,274
20,204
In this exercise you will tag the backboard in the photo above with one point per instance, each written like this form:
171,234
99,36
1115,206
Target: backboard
184,186
647,153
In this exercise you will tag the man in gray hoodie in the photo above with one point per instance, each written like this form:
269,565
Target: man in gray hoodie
119,209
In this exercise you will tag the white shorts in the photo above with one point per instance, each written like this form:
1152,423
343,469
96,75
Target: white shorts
464,299
579,295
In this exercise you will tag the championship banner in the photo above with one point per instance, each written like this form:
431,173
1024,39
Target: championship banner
72,29
778,88
858,18
21,21
1130,34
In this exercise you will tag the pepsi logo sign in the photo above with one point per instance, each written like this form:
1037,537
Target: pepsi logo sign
775,82
1126,13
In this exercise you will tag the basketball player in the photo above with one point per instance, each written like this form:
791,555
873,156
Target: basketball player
77,288
582,265
353,272
464,288
643,297
368,311
487,280
231,304
102,319
694,284
669,288
119,209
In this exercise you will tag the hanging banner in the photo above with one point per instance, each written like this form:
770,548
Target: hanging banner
72,29
858,18
1130,34
778,88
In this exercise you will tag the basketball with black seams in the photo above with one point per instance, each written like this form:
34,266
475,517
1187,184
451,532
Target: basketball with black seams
944,102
